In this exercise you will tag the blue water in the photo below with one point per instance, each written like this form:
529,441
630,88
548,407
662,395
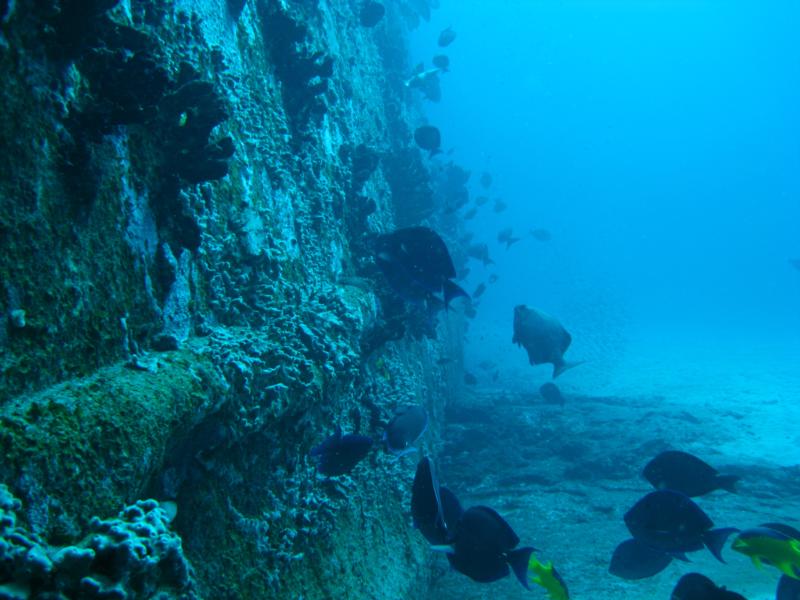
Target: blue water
659,143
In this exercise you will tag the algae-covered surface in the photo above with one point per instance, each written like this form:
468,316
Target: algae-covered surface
189,302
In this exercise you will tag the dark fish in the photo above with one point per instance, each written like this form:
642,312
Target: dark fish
487,365
417,264
506,236
682,472
551,393
694,586
543,337
338,454
470,311
481,200
479,290
371,13
499,206
445,360
480,252
463,273
470,214
486,179
795,262
495,376
672,522
451,508
788,588
441,61
428,138
426,504
446,37
770,546
634,560
484,546
541,235
492,278
470,379
407,426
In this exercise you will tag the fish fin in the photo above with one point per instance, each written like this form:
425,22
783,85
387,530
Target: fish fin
447,548
715,540
452,290
727,482
518,559
559,368
787,568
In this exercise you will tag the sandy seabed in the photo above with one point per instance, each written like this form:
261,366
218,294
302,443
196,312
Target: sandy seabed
730,400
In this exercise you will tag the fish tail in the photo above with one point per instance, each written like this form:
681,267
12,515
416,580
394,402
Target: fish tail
518,559
727,482
715,540
563,365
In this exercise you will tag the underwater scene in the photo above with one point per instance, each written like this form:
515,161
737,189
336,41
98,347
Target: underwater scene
399,299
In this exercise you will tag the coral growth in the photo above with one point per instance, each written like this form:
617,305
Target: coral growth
135,555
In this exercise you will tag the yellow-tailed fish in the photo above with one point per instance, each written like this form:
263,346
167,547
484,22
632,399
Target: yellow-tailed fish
765,545
546,576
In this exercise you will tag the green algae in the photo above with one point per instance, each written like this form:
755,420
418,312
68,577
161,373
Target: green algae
278,369
94,444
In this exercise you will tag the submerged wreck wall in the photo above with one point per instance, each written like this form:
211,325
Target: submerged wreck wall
188,302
